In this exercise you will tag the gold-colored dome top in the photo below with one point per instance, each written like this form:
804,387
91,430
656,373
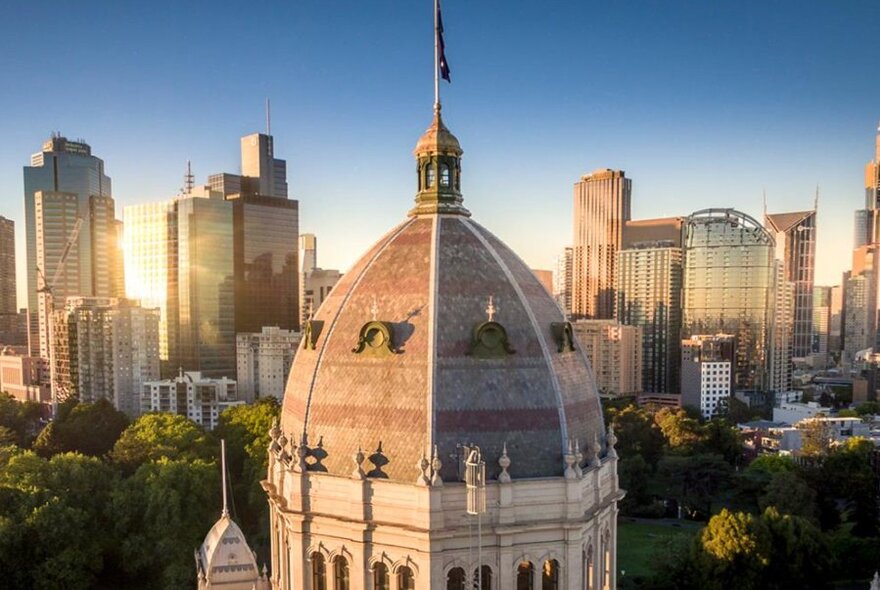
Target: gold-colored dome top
437,139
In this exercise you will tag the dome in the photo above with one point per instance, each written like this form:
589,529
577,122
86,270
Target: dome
439,337
225,557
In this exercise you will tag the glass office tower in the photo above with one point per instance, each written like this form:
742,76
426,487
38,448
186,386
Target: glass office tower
728,287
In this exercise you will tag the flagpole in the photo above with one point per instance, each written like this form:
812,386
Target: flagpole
436,56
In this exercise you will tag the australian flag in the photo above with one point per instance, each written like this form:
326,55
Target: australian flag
444,65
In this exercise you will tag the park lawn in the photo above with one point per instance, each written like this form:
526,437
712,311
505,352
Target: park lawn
638,541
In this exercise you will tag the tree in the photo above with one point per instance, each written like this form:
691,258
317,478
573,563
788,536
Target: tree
868,408
161,514
695,481
772,464
800,556
90,428
637,434
733,551
635,475
789,494
681,431
815,437
23,419
161,435
720,437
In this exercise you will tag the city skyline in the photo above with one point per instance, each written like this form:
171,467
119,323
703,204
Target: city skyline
756,112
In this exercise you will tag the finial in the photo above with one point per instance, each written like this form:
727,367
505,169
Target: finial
610,441
311,309
374,309
594,450
436,464
223,476
423,465
490,309
569,462
358,458
504,463
578,458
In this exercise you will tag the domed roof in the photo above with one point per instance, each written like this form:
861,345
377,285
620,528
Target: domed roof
408,354
437,139
225,557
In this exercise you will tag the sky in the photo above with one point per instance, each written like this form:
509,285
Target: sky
703,104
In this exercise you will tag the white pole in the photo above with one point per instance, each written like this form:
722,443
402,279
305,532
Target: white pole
223,476
436,56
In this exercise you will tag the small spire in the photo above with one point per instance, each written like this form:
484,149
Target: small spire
374,309
490,309
225,512
816,200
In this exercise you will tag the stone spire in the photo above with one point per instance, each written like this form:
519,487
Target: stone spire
439,171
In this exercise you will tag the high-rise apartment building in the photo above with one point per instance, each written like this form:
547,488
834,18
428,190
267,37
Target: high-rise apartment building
315,282
821,318
601,208
179,258
72,184
562,280
835,332
104,348
615,354
867,220
795,235
8,309
782,326
308,253
649,295
264,361
729,275
707,372
191,394
860,302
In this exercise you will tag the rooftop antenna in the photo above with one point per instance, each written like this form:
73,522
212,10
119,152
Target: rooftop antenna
816,200
765,204
188,179
441,66
223,477
268,117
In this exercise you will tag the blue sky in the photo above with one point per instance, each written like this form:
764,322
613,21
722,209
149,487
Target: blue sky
703,103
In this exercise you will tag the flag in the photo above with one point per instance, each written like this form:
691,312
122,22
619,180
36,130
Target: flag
441,53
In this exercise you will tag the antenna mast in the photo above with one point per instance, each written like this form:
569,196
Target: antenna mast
268,117
437,55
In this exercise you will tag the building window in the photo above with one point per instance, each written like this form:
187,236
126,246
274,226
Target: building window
340,573
455,579
444,175
525,579
430,175
381,580
405,579
591,569
484,582
319,573
550,575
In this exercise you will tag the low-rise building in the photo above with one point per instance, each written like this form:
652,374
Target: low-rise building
21,377
615,353
263,360
793,412
201,399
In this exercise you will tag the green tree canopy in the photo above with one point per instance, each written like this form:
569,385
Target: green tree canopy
637,434
161,435
789,494
733,551
682,432
91,429
22,419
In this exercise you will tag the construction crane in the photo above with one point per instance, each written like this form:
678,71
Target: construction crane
46,289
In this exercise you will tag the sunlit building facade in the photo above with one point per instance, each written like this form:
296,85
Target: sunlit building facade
728,287
8,309
601,208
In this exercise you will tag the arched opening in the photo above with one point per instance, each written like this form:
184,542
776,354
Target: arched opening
550,575
444,175
405,579
381,579
483,578
606,560
455,579
590,568
319,571
430,175
525,576
457,177
340,573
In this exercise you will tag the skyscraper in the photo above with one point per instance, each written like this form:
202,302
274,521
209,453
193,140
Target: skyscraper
601,208
562,280
649,295
67,171
821,318
781,332
179,258
707,372
795,235
8,309
867,220
266,229
728,287
860,302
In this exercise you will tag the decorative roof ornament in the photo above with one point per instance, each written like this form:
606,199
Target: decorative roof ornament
436,465
376,339
563,333
374,309
578,459
875,583
489,339
358,459
424,466
318,454
490,309
610,441
569,459
504,463
594,451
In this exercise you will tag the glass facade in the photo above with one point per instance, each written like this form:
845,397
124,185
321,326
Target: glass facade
728,287
266,260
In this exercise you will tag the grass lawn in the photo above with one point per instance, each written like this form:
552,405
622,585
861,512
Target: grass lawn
638,541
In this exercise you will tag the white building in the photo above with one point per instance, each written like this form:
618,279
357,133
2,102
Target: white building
794,412
201,399
707,373
264,360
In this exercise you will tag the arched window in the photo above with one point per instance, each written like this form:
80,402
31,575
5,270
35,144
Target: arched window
550,575
485,582
319,572
525,576
381,579
455,579
430,175
405,579
590,567
340,573
606,559
444,175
